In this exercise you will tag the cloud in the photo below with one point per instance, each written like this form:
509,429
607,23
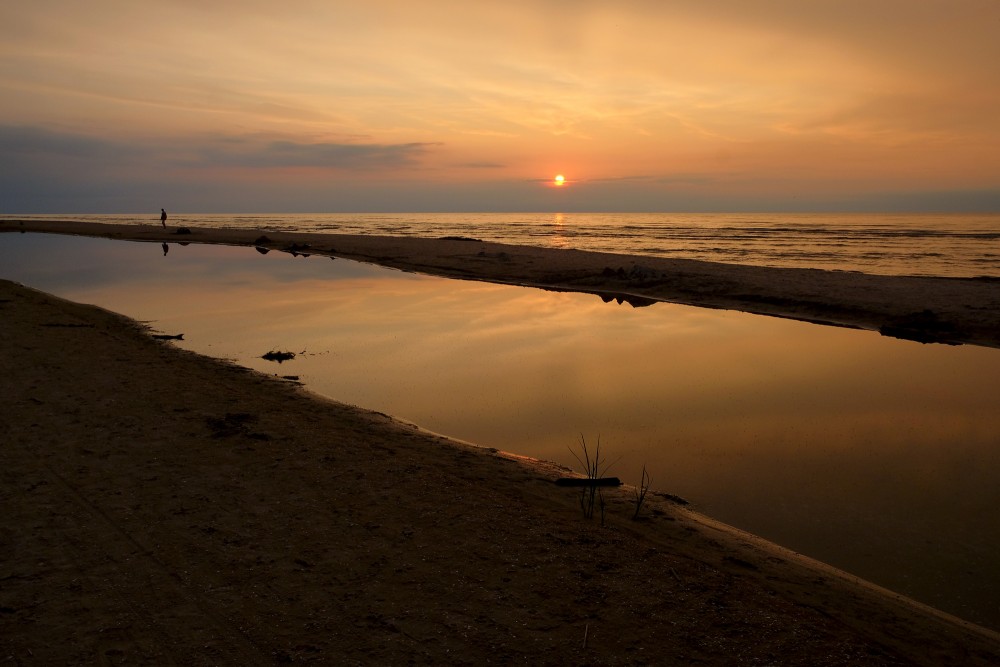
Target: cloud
46,170
28,142
482,165
254,154
38,144
910,116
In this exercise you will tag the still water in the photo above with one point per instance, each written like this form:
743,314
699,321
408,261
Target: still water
875,455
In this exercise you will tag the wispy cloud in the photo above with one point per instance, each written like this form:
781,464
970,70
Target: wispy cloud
481,165
38,142
273,154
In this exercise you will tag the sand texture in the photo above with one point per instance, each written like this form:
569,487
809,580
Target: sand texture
941,310
162,508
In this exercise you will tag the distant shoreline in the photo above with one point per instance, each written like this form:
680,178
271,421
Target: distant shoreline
924,309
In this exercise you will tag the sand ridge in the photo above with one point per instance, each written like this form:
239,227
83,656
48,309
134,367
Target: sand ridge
943,310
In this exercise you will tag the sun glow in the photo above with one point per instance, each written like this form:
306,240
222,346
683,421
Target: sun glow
559,180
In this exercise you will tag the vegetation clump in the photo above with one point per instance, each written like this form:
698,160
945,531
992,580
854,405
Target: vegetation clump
594,467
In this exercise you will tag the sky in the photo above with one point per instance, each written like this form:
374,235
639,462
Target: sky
394,105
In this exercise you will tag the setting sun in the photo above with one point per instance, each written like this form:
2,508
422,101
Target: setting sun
559,180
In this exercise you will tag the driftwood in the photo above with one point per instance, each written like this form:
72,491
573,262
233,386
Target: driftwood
588,481
179,336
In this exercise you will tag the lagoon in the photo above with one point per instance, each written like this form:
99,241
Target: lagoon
876,455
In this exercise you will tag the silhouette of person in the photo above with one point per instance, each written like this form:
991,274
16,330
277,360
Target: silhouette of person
163,218
165,249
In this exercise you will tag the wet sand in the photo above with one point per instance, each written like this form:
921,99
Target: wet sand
942,310
165,508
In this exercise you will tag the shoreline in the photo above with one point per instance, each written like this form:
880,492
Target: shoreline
168,507
922,309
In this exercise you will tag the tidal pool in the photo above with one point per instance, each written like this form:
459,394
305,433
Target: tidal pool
875,455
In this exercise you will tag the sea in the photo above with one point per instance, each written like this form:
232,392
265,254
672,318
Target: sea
919,244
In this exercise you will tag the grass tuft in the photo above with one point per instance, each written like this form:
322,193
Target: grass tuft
594,466
641,491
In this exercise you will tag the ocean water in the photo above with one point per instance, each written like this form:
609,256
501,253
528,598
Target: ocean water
952,245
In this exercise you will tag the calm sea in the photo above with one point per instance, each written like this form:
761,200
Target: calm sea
956,245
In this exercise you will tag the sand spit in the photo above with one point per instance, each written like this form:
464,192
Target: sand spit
160,507
941,310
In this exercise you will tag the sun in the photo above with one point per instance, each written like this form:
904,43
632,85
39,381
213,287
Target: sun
559,180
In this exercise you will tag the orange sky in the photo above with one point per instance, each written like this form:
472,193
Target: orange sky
643,105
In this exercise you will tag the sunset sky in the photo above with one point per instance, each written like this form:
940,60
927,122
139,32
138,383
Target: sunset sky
659,105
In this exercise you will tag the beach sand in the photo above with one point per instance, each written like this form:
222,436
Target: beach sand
165,508
942,310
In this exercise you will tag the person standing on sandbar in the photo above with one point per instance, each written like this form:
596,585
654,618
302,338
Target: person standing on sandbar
163,218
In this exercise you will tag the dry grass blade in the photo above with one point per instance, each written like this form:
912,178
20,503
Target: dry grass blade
641,491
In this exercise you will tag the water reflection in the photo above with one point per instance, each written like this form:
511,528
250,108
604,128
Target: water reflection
873,454
558,238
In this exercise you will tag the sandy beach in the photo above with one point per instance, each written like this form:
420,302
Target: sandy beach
166,508
941,310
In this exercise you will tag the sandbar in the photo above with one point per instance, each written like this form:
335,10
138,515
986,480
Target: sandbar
924,309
